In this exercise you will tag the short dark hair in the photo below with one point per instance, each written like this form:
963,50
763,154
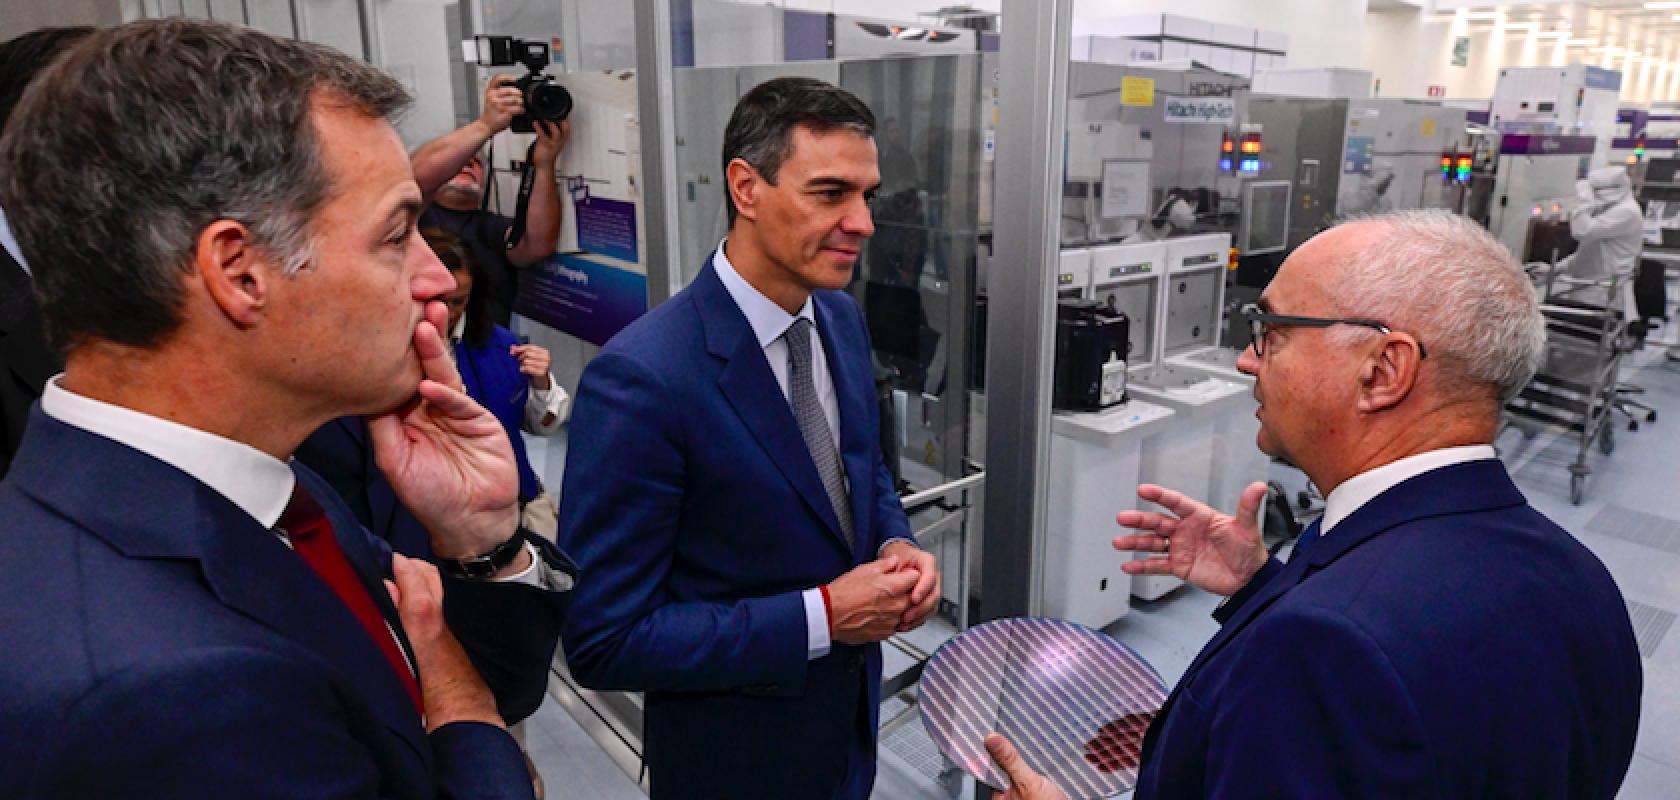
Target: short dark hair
453,251
125,149
760,132
23,57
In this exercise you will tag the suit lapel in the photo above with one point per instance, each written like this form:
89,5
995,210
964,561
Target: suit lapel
751,388
146,509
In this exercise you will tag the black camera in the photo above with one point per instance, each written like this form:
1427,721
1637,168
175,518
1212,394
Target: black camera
544,99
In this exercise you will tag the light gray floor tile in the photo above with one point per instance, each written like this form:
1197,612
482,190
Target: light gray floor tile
572,765
1650,779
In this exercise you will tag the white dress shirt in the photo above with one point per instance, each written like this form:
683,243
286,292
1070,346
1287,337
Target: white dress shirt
769,321
10,242
258,483
1360,489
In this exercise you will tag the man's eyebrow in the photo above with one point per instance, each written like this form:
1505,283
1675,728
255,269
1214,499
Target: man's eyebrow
830,181
407,208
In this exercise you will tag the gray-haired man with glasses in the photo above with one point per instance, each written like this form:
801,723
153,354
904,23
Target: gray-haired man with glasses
1432,635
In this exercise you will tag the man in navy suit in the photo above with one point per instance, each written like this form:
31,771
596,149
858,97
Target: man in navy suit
1432,635
725,490
190,615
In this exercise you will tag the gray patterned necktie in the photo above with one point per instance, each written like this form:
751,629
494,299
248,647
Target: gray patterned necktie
813,425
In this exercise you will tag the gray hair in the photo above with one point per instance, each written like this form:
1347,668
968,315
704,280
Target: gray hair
1445,280
122,152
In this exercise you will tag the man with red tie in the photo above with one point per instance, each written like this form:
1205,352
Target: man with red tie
222,229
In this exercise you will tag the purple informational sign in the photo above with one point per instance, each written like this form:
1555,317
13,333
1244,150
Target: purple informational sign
582,297
607,227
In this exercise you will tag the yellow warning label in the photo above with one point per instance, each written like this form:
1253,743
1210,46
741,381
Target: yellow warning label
1137,91
1428,127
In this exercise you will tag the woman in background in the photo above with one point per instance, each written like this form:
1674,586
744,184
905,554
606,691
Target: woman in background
510,379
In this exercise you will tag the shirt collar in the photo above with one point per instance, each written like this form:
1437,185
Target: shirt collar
457,333
257,482
1360,489
768,320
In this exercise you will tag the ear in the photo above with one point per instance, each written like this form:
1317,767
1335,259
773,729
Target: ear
743,182
238,279
1391,372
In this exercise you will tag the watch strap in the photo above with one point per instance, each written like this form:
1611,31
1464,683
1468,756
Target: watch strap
481,567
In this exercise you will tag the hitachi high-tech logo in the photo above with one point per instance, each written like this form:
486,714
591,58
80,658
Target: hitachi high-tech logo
577,276
1550,144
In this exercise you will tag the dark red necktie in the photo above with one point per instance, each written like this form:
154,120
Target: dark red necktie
312,537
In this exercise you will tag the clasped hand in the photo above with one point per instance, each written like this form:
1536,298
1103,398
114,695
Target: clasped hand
894,593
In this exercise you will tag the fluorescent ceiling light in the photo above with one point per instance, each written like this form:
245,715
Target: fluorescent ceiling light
1520,26
1580,42
1552,35
1659,6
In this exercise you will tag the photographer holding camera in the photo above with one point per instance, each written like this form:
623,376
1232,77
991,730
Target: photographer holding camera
451,172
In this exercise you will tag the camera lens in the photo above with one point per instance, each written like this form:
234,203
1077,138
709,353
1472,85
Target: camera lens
547,101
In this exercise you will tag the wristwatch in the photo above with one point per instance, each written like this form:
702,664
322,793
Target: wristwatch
480,567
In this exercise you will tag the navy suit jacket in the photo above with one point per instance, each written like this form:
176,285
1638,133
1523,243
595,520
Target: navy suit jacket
1444,641
162,643
341,452
697,517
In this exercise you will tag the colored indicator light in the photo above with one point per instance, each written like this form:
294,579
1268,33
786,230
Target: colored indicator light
1251,165
1633,159
1536,211
1464,163
1225,165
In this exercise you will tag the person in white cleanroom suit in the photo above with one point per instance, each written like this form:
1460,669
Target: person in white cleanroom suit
1610,228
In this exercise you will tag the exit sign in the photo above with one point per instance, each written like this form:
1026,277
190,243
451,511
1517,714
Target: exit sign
1437,91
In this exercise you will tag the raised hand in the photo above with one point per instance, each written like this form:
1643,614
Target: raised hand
502,102
533,363
551,139
1201,546
448,459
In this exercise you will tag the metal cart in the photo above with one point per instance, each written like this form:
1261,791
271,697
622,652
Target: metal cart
1575,390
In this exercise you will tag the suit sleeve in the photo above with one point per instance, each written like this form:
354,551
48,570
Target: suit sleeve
620,508
1314,708
247,723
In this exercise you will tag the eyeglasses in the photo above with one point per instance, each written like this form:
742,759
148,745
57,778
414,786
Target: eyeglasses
1260,324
